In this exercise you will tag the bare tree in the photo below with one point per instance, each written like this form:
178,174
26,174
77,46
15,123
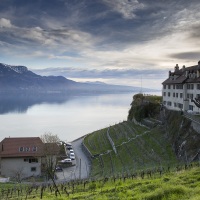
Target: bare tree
18,174
49,138
50,153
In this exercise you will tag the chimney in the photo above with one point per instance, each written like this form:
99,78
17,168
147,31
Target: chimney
186,73
169,74
198,73
176,68
183,68
198,67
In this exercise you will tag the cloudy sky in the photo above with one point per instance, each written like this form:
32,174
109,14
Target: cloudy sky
115,41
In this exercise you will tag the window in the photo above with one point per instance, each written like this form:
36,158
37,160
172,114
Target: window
34,149
174,94
21,149
190,107
164,94
188,96
33,169
174,104
168,94
27,148
180,106
164,86
33,160
169,86
169,103
198,86
179,86
164,102
190,86
174,87
181,95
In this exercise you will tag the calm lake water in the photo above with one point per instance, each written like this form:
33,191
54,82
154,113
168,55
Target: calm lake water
69,118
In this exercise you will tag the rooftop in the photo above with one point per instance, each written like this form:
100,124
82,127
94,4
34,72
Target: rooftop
21,147
184,75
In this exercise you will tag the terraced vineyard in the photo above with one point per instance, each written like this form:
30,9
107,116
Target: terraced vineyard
134,148
176,184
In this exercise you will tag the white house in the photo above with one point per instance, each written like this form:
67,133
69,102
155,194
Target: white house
21,157
181,90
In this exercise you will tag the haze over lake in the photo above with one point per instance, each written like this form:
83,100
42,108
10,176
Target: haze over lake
69,118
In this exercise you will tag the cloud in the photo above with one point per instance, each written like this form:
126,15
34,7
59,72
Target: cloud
51,41
126,8
103,74
5,23
101,38
186,55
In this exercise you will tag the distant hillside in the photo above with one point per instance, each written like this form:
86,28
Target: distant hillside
18,79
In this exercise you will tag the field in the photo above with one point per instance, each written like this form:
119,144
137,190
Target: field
180,183
129,161
135,148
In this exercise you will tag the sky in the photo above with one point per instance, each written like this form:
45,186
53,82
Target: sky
127,42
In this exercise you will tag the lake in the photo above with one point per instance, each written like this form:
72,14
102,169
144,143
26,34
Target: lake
69,118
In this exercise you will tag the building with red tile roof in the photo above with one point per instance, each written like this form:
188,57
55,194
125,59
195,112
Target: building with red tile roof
21,156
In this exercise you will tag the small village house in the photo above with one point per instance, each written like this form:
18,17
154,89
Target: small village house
22,157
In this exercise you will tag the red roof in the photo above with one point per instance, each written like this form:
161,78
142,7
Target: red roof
21,147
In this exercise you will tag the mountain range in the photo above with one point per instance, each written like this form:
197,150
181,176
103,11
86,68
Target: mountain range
18,79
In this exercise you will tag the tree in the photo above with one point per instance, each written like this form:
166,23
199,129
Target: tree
144,106
50,153
18,174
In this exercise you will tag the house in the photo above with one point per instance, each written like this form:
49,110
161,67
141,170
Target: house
181,90
21,157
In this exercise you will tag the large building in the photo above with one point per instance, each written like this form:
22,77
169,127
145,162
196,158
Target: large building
181,90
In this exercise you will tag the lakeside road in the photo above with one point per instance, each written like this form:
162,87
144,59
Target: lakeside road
81,166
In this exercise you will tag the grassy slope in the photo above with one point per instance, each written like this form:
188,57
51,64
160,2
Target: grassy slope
138,148
180,185
183,184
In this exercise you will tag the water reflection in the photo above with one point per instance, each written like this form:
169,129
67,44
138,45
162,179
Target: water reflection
21,103
69,117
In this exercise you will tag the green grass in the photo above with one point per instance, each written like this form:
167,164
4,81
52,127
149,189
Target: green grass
138,148
97,142
174,185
